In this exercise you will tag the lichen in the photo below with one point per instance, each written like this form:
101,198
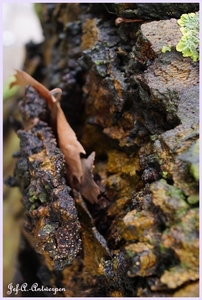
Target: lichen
189,42
183,238
170,199
166,48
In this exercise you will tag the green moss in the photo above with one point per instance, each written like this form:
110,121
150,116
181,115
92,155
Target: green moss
192,157
43,197
32,194
194,170
174,192
100,62
162,248
170,199
130,253
189,42
153,137
32,207
164,174
193,199
46,230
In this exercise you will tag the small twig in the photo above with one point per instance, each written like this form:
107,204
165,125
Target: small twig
110,12
120,20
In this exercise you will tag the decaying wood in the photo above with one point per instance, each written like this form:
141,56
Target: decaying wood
141,238
68,143
40,174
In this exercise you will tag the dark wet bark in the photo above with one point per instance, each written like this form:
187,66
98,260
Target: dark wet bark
137,108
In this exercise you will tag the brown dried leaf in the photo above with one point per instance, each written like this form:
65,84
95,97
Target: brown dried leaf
71,148
79,171
88,188
23,79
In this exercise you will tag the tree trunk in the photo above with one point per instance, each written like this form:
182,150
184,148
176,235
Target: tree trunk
138,109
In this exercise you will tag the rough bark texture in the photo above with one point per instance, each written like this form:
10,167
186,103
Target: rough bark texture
138,109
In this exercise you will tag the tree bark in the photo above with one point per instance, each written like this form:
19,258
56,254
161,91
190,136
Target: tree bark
137,108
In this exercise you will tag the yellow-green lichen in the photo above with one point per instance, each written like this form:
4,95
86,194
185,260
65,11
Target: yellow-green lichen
189,42
166,48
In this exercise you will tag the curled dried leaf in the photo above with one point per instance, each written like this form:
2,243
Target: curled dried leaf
71,148
79,171
67,140
22,78
57,91
88,188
